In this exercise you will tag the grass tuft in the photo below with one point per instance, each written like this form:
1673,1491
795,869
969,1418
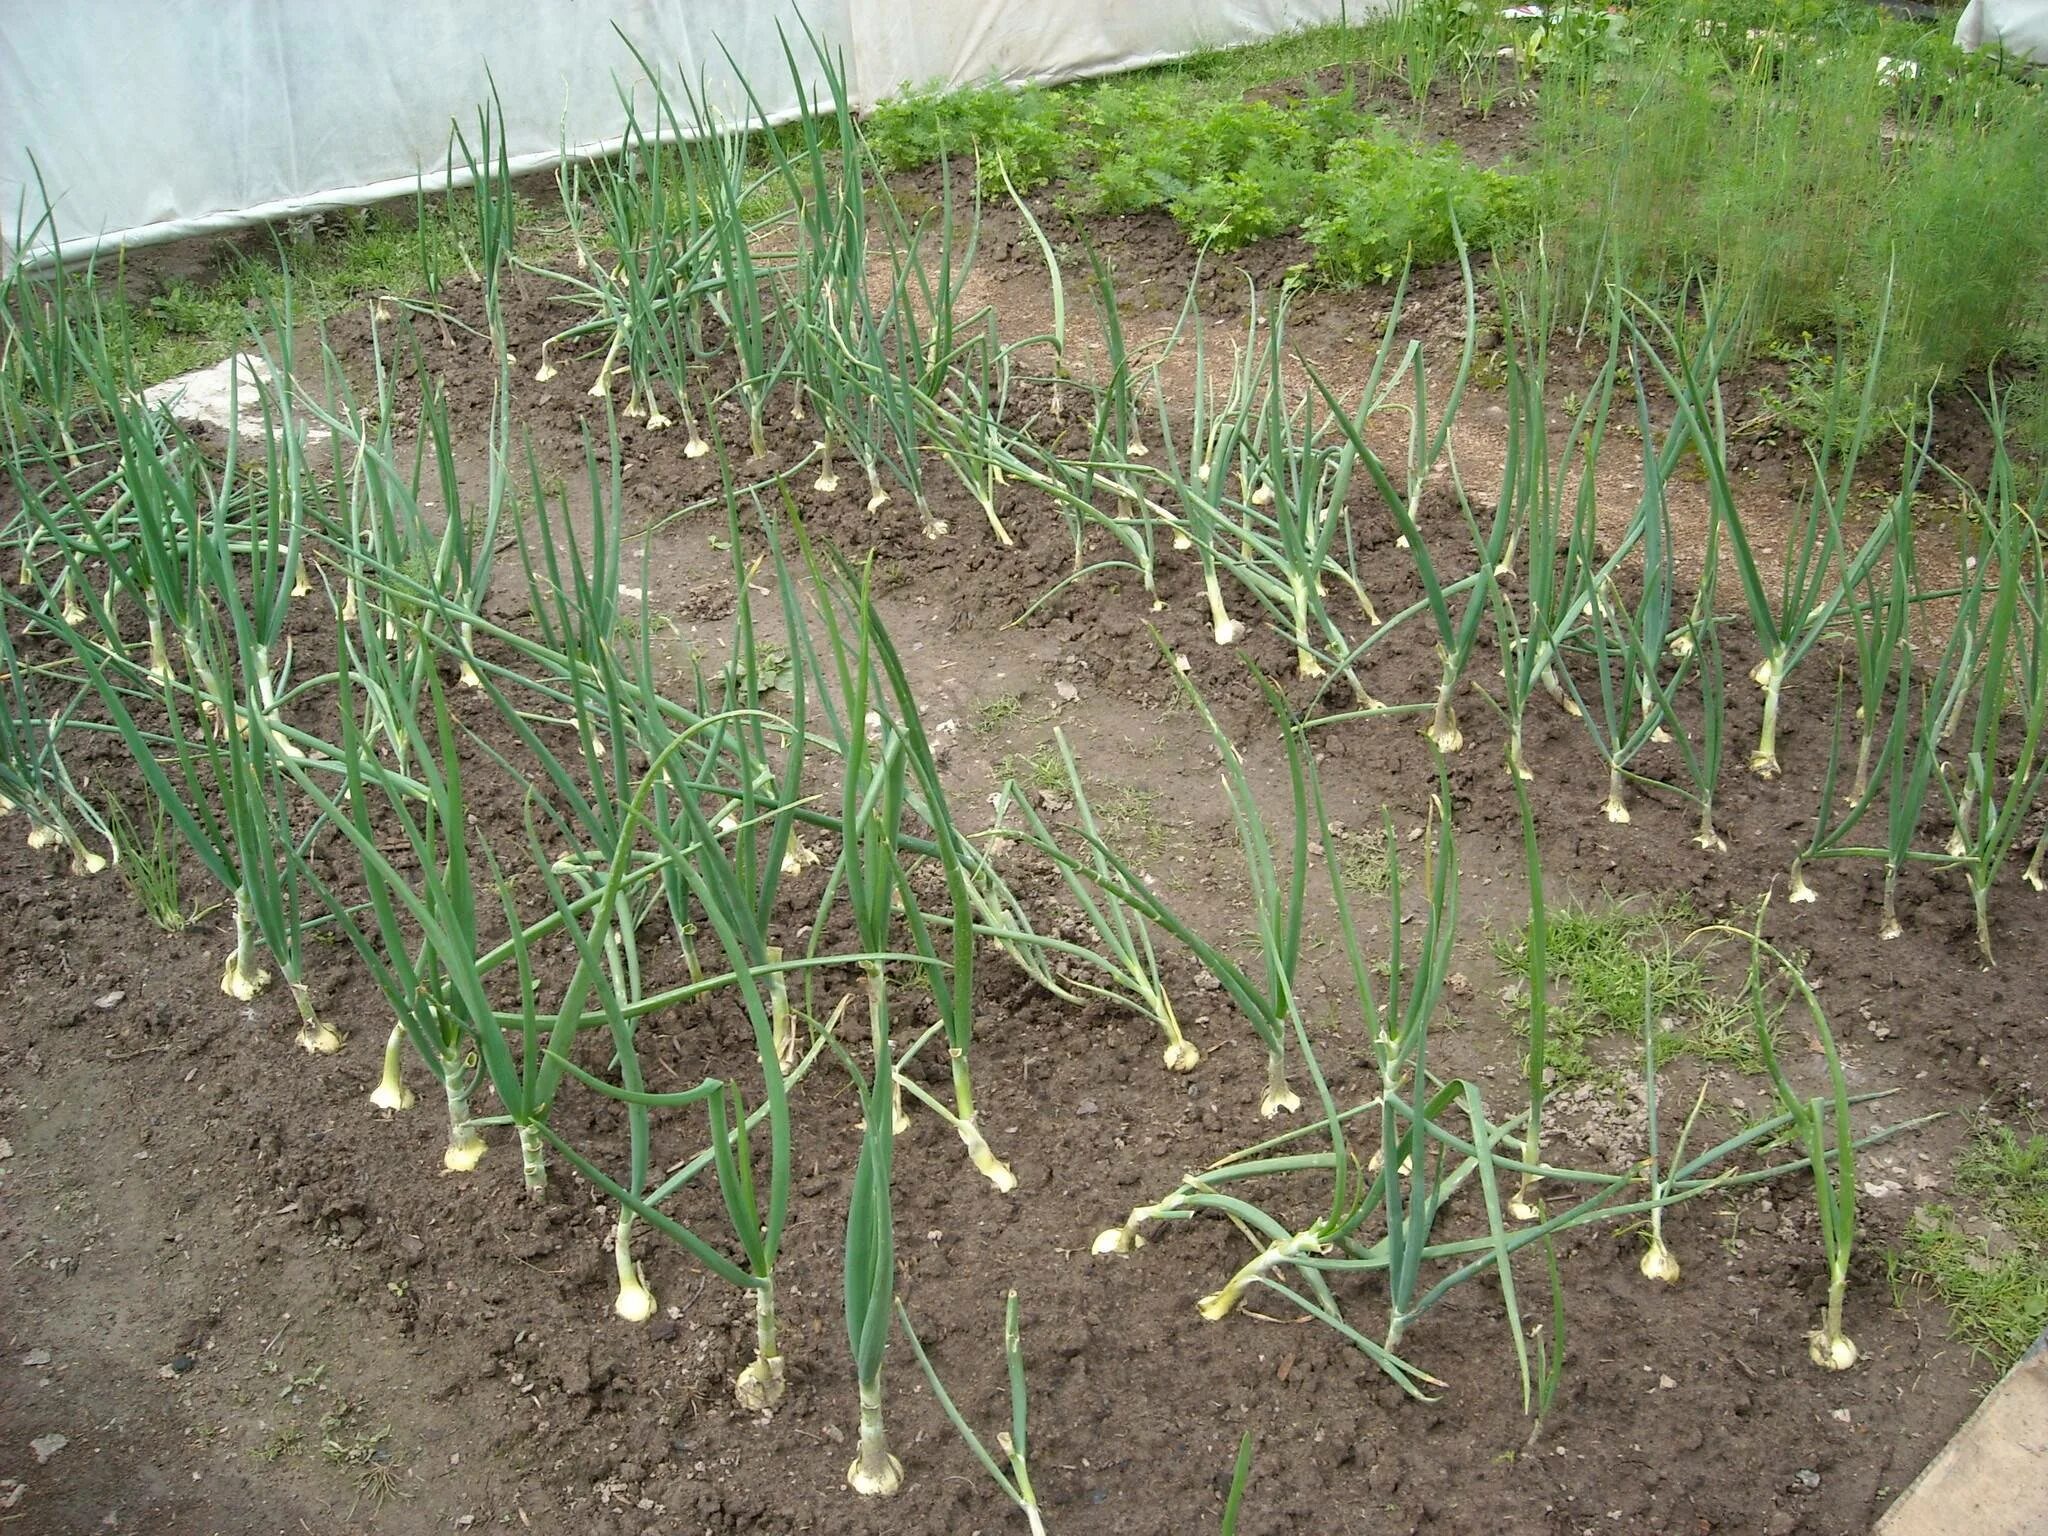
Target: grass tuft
1991,1274
1597,957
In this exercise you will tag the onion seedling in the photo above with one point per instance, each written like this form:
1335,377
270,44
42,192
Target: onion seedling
1427,440
1016,1481
1240,1476
1822,1124
1658,1261
1124,937
1820,573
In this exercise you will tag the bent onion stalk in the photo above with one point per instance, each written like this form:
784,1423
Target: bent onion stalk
1013,1473
1123,952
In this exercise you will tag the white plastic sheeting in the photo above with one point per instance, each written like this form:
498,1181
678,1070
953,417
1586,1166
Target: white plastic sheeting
153,119
2020,27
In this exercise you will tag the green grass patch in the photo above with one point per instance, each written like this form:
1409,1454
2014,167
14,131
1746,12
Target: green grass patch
1365,858
1993,1280
1041,769
1131,819
1597,960
992,717
190,325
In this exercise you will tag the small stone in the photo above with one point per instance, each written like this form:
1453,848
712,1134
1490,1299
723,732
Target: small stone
1067,691
110,1000
1665,1383
36,1357
180,1364
46,1446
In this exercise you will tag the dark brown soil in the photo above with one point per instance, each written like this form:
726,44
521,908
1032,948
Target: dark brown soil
256,1305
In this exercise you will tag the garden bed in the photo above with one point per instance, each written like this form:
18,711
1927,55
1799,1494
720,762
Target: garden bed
248,1301
475,1325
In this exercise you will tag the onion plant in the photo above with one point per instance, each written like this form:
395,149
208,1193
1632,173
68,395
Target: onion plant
1537,488
1908,755
1821,571
1279,904
2005,760
1013,1442
489,166
219,556
872,807
1658,1261
1267,1001
45,382
1624,640
1124,951
1537,1062
867,663
1427,440
1422,1163
1823,1127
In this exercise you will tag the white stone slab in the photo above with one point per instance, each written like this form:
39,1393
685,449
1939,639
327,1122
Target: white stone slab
228,397
1992,1478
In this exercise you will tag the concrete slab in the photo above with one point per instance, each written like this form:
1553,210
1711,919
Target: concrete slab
1991,1479
228,396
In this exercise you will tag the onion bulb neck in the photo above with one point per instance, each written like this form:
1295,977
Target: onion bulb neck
635,1303
874,1472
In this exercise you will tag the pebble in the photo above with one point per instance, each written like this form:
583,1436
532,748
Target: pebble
46,1446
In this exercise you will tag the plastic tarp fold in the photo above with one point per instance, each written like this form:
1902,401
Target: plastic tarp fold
149,120
2020,27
